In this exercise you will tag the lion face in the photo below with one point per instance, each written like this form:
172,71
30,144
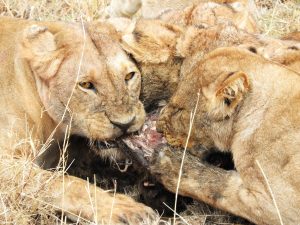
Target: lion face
152,44
94,90
214,99
164,52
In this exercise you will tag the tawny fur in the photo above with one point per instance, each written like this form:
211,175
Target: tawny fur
164,52
249,106
39,68
161,46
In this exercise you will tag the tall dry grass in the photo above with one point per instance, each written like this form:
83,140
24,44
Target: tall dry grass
279,18
275,17
66,10
16,208
23,194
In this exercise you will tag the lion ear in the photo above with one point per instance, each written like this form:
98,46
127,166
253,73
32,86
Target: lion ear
151,43
40,50
227,92
142,50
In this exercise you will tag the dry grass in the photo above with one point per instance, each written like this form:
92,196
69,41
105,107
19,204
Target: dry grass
276,20
16,208
280,18
66,10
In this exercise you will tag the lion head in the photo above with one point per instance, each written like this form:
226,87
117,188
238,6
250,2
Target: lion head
206,102
152,45
94,90
164,52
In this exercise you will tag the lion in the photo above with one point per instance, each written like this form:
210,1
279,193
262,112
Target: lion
56,82
243,103
164,51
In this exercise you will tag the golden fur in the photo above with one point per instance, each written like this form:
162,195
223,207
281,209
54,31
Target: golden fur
39,67
161,46
249,106
164,51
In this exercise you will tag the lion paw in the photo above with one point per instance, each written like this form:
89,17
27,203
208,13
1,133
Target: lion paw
118,210
127,211
165,159
82,203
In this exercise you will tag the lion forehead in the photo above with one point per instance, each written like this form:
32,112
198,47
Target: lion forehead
120,62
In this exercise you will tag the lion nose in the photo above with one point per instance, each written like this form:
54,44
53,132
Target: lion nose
123,125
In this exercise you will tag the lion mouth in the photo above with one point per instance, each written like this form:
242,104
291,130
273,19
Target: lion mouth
138,146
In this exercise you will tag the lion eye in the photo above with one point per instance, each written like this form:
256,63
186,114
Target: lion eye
129,76
87,85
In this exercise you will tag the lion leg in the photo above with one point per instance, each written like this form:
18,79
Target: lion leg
74,197
220,188
77,197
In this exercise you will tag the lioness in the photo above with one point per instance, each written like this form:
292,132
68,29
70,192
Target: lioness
164,52
55,80
248,105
